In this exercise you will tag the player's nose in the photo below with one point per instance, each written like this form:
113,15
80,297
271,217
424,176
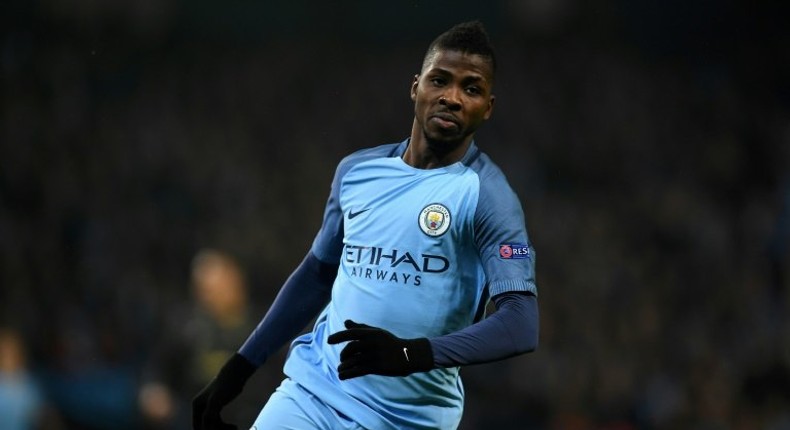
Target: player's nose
450,99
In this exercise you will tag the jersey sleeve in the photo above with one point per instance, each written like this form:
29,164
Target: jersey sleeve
506,252
328,243
510,331
303,295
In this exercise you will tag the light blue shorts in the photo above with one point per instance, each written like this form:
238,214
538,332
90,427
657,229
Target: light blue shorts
292,407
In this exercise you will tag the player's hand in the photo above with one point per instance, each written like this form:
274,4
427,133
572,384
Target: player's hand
372,350
208,404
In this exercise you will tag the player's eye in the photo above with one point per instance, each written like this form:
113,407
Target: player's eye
474,90
438,82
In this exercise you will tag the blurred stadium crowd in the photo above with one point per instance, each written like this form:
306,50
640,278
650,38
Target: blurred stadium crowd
164,167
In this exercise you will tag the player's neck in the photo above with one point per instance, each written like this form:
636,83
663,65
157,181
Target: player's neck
422,154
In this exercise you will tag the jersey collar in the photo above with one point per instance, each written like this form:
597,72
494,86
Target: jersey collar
471,153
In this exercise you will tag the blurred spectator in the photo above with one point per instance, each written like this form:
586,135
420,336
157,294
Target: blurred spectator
197,341
21,401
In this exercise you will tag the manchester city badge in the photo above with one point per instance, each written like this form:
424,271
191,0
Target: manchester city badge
434,220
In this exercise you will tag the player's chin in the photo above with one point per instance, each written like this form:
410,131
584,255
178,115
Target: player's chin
450,140
445,137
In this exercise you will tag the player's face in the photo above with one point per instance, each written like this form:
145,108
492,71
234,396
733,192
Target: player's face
452,97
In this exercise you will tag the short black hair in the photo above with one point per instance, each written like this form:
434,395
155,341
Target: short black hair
467,37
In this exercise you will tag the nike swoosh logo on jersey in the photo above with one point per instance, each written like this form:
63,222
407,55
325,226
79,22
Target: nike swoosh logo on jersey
352,214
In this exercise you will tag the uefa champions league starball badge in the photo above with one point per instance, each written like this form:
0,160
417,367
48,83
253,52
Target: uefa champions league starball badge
434,220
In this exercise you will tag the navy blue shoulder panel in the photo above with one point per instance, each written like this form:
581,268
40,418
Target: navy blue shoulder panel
500,222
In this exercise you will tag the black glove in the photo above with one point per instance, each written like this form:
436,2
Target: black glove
229,382
372,350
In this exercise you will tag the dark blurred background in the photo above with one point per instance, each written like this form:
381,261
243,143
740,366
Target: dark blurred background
150,150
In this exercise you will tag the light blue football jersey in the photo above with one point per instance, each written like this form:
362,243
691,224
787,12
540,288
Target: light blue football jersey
420,253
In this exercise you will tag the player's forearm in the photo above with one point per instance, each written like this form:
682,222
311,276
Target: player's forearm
510,331
301,298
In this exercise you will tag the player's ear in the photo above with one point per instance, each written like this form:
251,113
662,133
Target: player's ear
490,107
414,87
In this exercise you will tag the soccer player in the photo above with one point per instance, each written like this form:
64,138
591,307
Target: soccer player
417,237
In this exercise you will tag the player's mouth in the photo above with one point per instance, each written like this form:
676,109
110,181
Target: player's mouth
445,120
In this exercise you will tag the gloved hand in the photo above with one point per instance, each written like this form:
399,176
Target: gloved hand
228,383
372,350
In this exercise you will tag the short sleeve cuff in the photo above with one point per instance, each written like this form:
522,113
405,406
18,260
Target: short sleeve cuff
512,285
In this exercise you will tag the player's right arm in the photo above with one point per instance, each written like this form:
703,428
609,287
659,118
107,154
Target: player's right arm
309,288
301,298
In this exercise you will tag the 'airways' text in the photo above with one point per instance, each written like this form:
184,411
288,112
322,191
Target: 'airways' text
384,275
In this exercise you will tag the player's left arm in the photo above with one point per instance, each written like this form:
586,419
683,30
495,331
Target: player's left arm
508,260
511,330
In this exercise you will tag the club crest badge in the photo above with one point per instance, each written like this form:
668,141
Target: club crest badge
434,220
